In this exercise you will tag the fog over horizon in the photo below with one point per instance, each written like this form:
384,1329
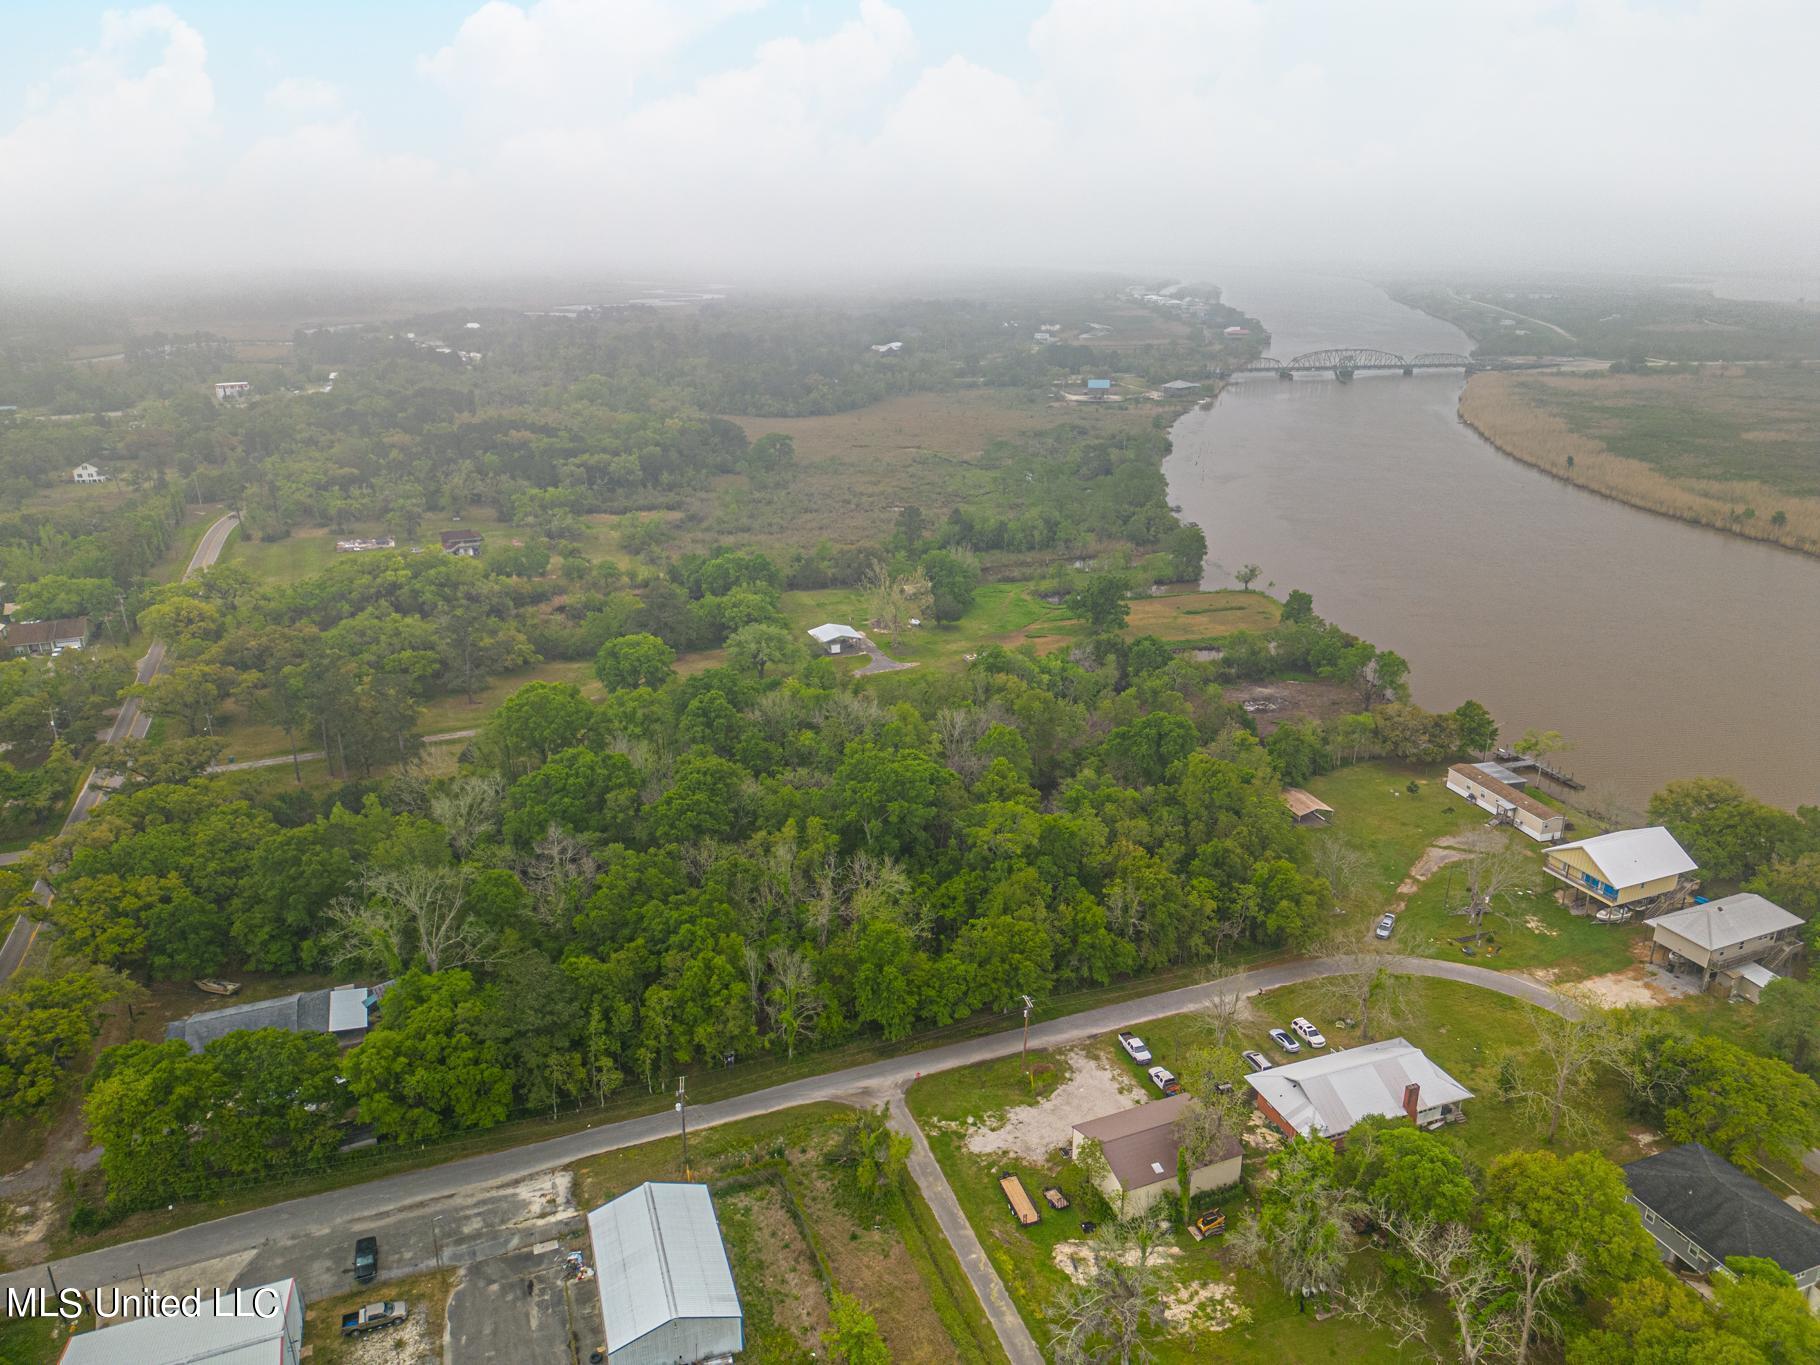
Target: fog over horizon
855,140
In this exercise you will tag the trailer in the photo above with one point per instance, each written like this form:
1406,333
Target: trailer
1019,1199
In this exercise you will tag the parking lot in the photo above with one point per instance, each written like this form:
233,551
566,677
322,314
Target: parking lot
523,1307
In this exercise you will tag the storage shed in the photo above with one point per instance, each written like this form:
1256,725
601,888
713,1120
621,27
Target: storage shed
666,1289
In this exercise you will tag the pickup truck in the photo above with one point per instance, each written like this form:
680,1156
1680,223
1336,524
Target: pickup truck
1164,1080
373,1317
1134,1047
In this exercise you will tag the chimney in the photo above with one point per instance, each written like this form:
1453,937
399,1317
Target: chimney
1412,1100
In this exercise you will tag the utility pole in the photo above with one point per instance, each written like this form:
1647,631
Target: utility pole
1029,1005
683,1113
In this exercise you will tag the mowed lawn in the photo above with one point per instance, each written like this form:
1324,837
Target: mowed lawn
794,1229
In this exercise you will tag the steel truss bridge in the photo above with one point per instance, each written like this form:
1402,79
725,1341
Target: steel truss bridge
1345,362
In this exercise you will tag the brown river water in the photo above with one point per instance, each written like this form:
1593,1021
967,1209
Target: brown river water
1661,649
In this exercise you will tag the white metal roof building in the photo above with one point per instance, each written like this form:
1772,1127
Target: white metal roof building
1630,857
1326,1095
259,1326
666,1289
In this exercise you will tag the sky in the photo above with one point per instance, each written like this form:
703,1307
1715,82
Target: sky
708,140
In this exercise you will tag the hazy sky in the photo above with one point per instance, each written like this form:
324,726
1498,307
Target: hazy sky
737,138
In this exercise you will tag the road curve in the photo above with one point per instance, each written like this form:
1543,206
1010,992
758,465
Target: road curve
873,1083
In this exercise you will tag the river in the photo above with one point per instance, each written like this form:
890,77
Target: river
1661,649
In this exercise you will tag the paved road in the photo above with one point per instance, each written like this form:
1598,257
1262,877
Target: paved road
298,1220
130,723
446,737
18,944
1013,1335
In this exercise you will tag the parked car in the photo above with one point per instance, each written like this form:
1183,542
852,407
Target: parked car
1284,1041
1386,925
1257,1061
1134,1047
1310,1034
374,1316
366,1259
1165,1080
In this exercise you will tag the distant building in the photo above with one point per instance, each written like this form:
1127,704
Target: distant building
888,347
464,543
1140,1146
836,638
666,1288
262,1324
1481,784
1326,1094
1621,874
348,1012
87,473
1099,386
1237,332
232,389
1700,1209
45,637
1180,386
360,544
1306,808
1721,939
471,326
1043,338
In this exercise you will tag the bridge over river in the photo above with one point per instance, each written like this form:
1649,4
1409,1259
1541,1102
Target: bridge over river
1346,361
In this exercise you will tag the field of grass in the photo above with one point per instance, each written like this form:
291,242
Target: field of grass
793,1227
1736,449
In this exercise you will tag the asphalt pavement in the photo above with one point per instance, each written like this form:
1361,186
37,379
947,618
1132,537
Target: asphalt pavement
274,1237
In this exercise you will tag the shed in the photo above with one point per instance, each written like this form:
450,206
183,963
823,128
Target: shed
1749,981
464,543
666,1288
252,1326
1306,807
835,637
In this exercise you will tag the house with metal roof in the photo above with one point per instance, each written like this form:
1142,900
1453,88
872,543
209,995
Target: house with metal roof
835,637
1326,1094
1621,874
1140,1145
1484,786
253,1326
1719,938
666,1287
345,1011
1700,1209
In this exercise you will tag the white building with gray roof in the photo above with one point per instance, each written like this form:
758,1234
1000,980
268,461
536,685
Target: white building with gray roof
1325,1095
1725,935
666,1288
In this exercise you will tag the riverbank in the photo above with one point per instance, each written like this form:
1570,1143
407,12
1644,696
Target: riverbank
1729,452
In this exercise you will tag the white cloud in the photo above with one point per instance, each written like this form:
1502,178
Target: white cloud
303,96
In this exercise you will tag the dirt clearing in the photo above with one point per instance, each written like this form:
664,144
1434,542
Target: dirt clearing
1032,1132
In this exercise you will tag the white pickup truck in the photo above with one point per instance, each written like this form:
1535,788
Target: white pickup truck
1134,1047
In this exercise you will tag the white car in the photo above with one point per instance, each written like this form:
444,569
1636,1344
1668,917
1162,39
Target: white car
1164,1080
1310,1034
1284,1041
1257,1061
1134,1047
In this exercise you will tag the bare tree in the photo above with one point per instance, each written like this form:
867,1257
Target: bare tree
960,729
558,874
1534,1289
1344,868
1468,1275
1224,1010
468,808
1491,878
1366,987
893,600
796,1004
400,915
1104,1317
1572,1049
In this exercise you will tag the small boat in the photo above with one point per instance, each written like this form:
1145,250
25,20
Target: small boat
215,986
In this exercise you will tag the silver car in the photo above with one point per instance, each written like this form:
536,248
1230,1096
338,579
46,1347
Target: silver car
1386,926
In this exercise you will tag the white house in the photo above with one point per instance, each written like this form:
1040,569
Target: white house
227,1327
1488,786
87,473
835,637
666,1289
232,389
1326,1094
